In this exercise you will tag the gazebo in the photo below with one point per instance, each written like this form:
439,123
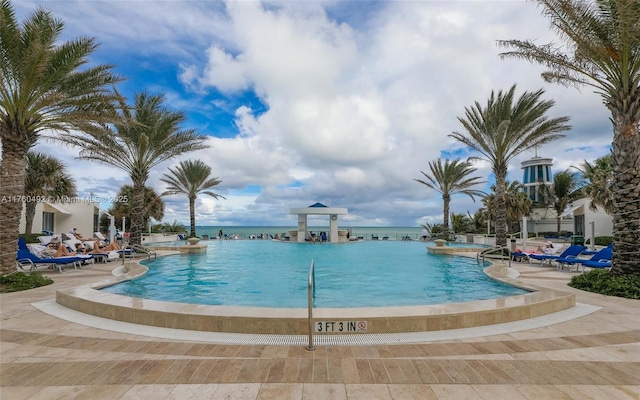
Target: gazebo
318,209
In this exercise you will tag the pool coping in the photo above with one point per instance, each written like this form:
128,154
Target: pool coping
294,321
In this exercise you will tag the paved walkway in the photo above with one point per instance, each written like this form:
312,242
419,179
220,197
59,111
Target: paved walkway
593,357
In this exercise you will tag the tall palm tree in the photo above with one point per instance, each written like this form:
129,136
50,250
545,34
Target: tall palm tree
601,49
191,178
153,206
449,179
598,177
564,190
45,85
150,135
504,128
45,177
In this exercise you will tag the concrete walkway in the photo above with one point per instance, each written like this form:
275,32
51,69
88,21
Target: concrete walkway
593,357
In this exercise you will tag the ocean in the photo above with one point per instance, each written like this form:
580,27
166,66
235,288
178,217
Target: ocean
365,232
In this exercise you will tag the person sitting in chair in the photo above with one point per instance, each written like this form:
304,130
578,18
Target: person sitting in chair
74,232
104,249
60,248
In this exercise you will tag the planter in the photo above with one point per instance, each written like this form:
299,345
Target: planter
193,240
440,242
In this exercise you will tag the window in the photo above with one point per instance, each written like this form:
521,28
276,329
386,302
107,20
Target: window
526,175
47,221
96,223
540,174
532,193
578,224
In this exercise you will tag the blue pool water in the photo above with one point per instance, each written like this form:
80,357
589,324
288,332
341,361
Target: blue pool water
272,274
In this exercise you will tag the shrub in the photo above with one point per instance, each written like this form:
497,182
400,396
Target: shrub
604,282
603,240
20,281
31,238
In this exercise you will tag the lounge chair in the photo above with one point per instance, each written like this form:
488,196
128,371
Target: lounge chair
520,256
596,264
26,257
570,252
599,260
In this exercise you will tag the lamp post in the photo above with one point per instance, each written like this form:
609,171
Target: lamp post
112,227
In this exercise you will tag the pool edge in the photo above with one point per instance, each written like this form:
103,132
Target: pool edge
87,299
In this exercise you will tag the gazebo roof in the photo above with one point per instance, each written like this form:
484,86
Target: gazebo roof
318,209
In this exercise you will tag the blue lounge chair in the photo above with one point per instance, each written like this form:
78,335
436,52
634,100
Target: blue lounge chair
570,252
27,257
596,264
599,259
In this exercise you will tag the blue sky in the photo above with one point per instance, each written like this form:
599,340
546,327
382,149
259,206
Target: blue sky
338,102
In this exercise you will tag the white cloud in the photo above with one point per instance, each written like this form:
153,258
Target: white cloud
345,111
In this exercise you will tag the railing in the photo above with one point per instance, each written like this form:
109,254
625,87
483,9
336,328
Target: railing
311,291
136,248
494,253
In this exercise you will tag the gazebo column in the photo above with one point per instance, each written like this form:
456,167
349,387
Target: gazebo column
302,227
333,228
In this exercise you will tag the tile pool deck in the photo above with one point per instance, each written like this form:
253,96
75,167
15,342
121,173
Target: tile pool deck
595,356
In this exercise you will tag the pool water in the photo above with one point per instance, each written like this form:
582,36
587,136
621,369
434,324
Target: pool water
274,274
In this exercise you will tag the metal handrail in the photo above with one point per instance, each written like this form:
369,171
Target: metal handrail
311,291
138,249
494,251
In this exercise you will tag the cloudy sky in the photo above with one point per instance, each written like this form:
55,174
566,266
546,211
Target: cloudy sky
338,102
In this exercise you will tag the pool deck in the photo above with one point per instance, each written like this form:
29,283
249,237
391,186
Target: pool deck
595,356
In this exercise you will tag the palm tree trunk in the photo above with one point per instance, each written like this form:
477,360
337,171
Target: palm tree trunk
12,183
192,215
137,212
501,209
558,224
626,198
445,225
29,213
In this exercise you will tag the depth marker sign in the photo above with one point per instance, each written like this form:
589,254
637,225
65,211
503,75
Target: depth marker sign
340,326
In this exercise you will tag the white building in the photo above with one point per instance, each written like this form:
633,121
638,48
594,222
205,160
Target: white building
58,217
577,218
587,221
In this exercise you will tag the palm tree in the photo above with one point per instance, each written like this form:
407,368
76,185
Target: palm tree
45,177
601,49
505,128
153,205
434,230
517,203
150,135
191,178
478,219
164,227
449,179
42,88
564,190
461,223
598,177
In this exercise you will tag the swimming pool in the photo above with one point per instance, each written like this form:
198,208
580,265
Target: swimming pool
274,274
